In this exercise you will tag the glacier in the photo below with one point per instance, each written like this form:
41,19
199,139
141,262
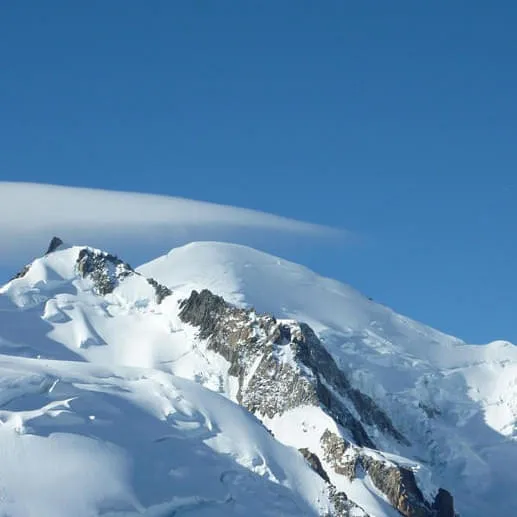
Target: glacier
114,403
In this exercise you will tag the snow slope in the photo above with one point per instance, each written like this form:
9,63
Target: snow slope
457,403
97,437
82,440
126,362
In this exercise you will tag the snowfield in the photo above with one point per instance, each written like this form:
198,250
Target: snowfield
82,440
111,405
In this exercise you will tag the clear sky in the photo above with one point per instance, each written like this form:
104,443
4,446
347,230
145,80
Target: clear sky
394,120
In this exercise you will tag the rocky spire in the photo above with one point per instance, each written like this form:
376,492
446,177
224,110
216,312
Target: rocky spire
55,243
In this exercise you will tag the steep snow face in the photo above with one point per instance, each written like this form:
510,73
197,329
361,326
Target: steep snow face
360,333
248,277
457,403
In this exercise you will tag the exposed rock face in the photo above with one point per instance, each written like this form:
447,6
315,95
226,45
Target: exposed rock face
342,505
315,463
22,272
396,482
55,243
399,485
103,269
160,290
335,448
203,310
444,504
106,271
318,359
282,365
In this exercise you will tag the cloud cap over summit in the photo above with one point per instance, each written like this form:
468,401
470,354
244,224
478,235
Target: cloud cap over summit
30,213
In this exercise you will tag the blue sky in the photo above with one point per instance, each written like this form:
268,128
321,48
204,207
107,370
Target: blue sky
396,121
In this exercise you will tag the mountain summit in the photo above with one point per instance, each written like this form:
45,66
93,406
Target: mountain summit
54,244
219,380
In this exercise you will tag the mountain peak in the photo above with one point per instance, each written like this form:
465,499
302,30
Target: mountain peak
387,409
55,244
62,264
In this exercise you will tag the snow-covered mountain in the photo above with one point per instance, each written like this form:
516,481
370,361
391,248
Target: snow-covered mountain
219,380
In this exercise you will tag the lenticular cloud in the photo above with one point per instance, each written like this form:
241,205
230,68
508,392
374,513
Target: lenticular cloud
30,213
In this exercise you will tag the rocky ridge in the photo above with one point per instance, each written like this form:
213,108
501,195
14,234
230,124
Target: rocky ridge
398,483
281,365
105,270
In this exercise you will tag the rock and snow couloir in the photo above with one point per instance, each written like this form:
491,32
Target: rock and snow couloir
139,374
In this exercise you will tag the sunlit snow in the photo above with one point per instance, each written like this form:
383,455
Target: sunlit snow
111,404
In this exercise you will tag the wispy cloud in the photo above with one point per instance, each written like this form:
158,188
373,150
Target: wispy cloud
31,213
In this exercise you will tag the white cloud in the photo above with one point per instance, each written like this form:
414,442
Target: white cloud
30,214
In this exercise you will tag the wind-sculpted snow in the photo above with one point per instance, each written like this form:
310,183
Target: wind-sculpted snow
80,440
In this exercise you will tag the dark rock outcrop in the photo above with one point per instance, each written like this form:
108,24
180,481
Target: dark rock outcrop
340,502
22,272
342,506
317,358
334,448
315,463
444,504
203,310
106,271
103,269
160,290
281,365
55,243
399,485
396,482
275,384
